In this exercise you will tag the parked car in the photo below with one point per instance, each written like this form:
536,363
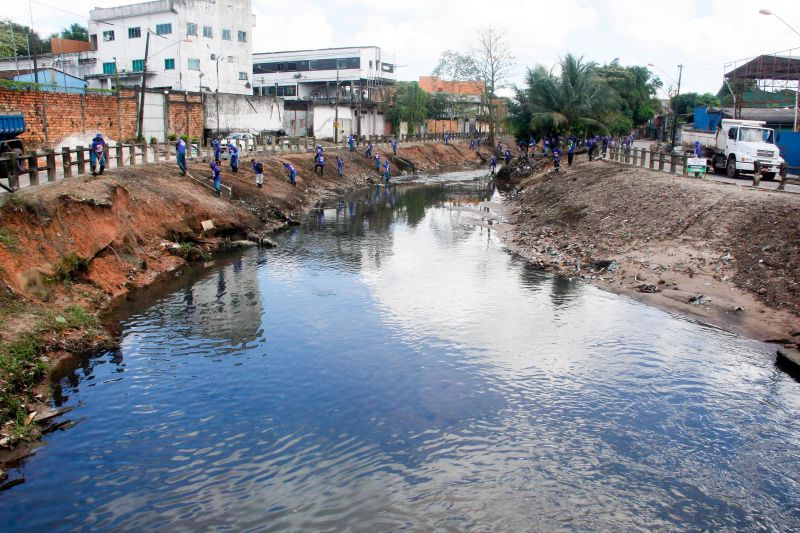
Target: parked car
246,141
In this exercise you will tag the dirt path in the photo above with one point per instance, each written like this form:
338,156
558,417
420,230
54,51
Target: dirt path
729,256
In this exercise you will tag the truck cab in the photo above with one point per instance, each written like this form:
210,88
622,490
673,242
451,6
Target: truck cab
743,142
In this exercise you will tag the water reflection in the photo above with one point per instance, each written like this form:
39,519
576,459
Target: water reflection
389,366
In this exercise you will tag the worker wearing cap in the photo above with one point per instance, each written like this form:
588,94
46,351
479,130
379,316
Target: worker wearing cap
97,154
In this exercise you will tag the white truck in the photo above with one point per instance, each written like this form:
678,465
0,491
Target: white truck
735,147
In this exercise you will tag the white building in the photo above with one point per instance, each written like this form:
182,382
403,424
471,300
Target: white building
313,74
342,87
192,44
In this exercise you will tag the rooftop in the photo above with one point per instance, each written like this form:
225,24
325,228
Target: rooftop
131,10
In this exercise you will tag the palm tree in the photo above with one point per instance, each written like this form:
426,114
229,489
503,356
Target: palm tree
75,32
575,99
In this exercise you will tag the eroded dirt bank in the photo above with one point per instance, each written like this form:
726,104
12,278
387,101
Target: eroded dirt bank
68,249
727,255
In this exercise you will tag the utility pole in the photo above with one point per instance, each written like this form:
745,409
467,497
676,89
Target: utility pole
336,112
216,99
675,107
35,69
144,77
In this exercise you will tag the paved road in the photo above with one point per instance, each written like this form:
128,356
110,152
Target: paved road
744,181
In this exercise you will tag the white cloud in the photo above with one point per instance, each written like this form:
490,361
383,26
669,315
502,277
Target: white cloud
703,35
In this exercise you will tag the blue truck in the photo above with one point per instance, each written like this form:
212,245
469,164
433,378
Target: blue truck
12,125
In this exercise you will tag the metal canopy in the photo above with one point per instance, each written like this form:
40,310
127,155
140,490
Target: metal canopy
768,67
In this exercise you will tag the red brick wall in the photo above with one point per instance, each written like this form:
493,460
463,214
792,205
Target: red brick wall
179,107
113,116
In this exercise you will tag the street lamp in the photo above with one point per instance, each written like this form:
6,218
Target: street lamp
797,89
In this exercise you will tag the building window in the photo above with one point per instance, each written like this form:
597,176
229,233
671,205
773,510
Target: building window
138,65
108,35
191,29
226,35
109,68
194,64
134,33
163,29
287,90
230,59
169,64
242,36
208,31
243,75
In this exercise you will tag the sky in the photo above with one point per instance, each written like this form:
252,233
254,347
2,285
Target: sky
703,35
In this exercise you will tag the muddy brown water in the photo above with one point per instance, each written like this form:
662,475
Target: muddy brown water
391,367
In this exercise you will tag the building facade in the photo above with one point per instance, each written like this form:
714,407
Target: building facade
193,44
337,91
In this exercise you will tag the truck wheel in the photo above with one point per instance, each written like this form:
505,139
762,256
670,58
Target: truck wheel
730,168
768,176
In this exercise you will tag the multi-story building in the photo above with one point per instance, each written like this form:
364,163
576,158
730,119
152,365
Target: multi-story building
336,91
314,74
187,45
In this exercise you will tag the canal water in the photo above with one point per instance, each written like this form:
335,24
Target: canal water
390,367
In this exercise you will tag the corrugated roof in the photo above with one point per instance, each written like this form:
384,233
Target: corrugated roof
768,67
771,115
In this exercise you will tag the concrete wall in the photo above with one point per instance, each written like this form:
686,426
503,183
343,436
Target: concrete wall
324,116
239,112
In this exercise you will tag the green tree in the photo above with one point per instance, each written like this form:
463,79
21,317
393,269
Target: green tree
685,103
15,38
519,114
575,100
636,87
410,105
75,32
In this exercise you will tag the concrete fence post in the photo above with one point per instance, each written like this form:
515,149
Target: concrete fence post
13,170
81,160
685,170
756,173
51,165
652,159
661,160
119,157
132,153
783,172
673,163
33,168
144,153
66,162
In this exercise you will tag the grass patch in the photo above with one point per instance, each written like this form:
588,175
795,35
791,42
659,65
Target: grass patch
7,239
70,264
21,368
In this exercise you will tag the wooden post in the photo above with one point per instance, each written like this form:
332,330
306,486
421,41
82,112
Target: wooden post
33,169
652,159
119,158
81,160
66,162
132,153
144,152
51,165
685,170
661,160
673,163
